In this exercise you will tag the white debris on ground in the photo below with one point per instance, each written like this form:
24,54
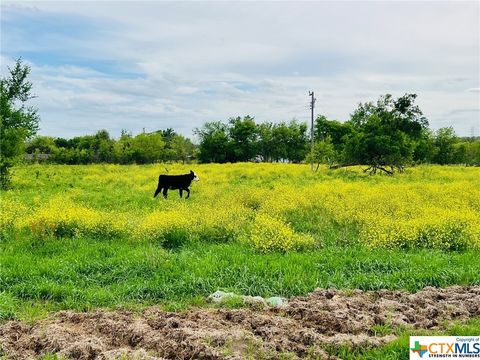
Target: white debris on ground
276,301
219,297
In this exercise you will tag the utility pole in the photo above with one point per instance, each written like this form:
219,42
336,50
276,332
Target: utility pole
312,106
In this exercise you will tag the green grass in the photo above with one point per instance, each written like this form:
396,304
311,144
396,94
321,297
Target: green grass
399,348
37,276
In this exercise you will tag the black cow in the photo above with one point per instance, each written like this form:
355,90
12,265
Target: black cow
173,182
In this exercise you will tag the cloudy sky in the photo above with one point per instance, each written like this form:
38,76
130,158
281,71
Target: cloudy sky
134,65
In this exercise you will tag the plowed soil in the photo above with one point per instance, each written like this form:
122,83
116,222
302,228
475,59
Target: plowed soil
302,328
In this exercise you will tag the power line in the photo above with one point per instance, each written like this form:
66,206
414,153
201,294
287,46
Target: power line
312,107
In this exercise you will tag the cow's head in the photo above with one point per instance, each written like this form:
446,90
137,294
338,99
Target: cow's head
194,176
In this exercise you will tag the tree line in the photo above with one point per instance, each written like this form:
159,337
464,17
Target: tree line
144,148
242,139
375,136
385,135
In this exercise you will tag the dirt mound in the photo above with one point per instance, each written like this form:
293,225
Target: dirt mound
302,328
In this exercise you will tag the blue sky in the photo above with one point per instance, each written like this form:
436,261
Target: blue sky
134,65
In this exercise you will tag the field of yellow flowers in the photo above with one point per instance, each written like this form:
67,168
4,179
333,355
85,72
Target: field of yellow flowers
266,206
81,237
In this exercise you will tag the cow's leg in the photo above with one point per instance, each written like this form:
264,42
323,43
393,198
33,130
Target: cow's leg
188,193
181,192
165,191
159,189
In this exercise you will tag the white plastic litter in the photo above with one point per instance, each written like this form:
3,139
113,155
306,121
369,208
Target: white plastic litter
220,296
274,301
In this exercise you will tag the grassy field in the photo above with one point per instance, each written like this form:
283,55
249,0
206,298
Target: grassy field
79,237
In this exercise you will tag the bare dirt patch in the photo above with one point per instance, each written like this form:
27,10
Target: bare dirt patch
300,329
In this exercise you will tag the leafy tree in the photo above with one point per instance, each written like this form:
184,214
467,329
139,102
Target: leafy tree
63,155
280,137
335,131
85,142
331,128
168,134
147,148
41,145
460,153
384,134
123,149
289,141
323,152
243,134
473,153
215,144
182,148
265,141
103,147
297,141
444,142
17,121
424,148
61,142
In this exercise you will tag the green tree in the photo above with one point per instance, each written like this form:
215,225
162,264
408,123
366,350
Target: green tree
61,142
473,153
183,149
280,136
331,128
215,144
424,148
123,148
384,134
18,122
323,152
103,147
444,142
334,130
41,145
65,155
168,135
147,148
265,141
243,134
297,141
289,141
460,153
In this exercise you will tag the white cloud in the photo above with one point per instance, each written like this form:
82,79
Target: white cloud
162,64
